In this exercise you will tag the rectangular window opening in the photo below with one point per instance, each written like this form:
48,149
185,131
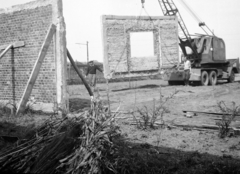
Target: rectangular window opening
141,44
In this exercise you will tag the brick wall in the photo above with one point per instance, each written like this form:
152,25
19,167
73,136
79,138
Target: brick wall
29,23
118,61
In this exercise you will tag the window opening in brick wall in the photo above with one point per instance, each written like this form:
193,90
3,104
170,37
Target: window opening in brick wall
141,44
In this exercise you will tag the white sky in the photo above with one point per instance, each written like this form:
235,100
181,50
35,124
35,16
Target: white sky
83,21
138,41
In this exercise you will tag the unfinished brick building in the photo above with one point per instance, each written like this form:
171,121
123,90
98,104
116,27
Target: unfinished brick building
25,28
118,33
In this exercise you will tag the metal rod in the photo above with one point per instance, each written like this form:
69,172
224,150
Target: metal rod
202,34
204,30
210,30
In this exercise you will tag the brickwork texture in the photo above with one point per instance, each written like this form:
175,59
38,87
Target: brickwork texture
29,23
118,61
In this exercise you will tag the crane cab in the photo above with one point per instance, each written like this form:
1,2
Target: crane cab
208,50
213,50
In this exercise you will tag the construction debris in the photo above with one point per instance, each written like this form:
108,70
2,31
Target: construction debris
76,145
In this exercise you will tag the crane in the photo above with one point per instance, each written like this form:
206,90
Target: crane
169,9
208,56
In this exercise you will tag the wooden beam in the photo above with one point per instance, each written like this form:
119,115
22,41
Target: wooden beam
79,73
211,113
36,69
15,45
207,126
6,50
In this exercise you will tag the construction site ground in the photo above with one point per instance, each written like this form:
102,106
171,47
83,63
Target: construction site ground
138,94
169,148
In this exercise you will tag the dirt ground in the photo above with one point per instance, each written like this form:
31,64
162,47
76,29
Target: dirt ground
138,94
165,148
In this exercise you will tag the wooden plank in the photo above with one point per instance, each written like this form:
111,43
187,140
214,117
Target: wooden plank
211,113
207,126
219,119
36,68
18,44
15,45
79,73
6,50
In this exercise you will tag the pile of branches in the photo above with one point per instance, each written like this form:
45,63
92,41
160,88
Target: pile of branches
147,117
82,144
229,114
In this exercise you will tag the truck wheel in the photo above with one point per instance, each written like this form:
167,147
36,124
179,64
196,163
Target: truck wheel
213,78
204,78
232,77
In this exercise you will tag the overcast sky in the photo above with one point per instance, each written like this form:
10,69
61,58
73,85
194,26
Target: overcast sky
83,21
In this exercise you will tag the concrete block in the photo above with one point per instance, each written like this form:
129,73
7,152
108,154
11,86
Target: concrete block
116,35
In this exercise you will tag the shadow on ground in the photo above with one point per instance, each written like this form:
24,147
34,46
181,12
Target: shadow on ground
150,86
143,158
11,133
76,104
132,157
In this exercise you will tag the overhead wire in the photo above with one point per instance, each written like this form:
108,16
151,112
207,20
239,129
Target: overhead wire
196,17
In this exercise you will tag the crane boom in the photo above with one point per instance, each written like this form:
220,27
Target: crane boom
169,9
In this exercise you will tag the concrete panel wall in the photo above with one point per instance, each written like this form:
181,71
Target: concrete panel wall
118,61
30,23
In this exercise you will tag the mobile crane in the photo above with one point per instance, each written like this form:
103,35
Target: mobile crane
207,54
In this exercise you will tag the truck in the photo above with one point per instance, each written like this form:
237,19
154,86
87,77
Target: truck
206,52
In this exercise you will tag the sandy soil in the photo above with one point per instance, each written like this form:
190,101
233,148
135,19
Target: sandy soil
195,98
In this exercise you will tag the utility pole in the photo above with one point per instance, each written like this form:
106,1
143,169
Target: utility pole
87,53
87,49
